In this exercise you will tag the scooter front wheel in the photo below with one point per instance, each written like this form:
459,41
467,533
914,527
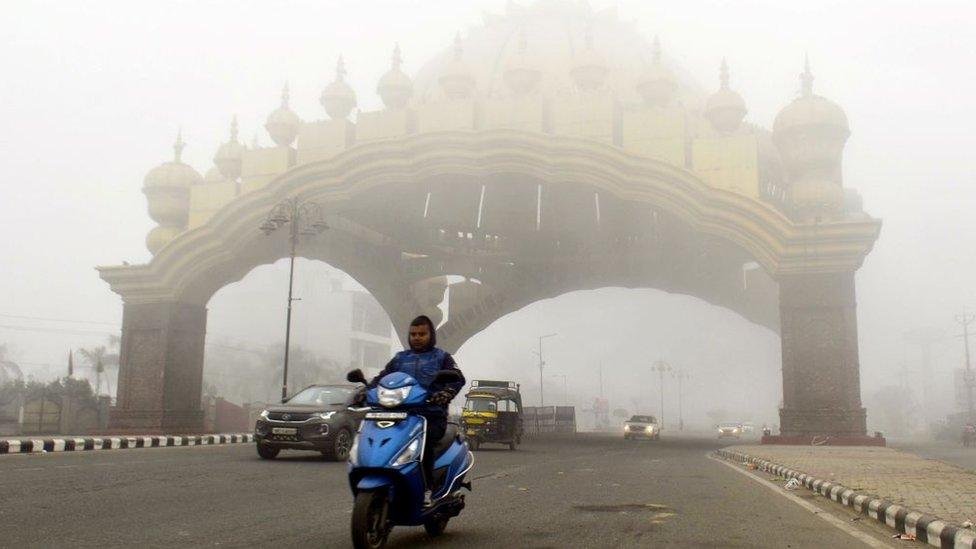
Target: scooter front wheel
369,520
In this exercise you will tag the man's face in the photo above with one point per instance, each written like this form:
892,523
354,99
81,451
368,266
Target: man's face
419,337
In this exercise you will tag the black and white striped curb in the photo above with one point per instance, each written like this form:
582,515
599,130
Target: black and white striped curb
73,444
925,528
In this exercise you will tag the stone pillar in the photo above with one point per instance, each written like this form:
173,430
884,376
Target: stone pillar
161,368
821,377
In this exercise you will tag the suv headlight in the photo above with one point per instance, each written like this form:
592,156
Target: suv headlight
391,398
264,414
324,415
649,429
410,453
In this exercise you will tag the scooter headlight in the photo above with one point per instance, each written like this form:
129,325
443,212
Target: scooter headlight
354,452
391,398
410,453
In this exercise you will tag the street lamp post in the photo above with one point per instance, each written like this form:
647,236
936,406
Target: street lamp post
306,219
542,363
661,367
680,375
968,379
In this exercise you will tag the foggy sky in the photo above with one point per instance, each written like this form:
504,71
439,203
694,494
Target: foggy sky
91,96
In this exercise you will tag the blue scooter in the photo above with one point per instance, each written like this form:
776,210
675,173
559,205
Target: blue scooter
385,471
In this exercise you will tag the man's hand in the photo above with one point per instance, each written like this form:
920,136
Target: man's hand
442,398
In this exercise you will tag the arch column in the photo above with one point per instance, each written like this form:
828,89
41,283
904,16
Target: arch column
821,370
160,368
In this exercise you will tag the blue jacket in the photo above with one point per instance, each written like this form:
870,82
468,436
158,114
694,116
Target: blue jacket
423,367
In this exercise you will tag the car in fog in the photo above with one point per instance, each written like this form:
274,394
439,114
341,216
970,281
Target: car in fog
316,419
729,429
642,427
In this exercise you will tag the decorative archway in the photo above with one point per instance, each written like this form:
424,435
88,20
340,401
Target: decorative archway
553,149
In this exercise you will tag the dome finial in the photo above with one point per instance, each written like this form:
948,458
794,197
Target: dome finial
458,48
656,51
806,78
340,69
178,145
723,75
397,57
285,96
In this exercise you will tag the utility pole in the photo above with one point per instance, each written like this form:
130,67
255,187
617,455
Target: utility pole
680,375
661,367
966,319
542,401
601,380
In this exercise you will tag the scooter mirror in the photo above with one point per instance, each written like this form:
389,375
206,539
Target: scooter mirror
356,376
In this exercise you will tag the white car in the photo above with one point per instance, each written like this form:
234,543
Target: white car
642,427
729,429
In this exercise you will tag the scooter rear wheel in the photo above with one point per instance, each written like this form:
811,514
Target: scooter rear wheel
369,512
435,527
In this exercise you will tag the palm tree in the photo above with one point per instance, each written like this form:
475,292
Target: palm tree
98,358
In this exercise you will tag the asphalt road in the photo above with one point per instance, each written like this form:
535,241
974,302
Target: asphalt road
949,451
591,491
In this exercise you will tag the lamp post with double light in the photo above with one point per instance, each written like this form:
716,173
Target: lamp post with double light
304,218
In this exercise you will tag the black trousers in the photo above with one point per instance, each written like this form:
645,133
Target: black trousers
436,427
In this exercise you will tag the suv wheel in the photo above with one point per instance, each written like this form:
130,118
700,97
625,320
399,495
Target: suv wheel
268,452
341,444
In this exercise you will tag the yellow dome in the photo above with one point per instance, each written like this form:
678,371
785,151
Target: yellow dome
589,67
283,124
725,108
230,155
500,63
810,110
395,87
657,83
338,98
456,80
172,174
521,73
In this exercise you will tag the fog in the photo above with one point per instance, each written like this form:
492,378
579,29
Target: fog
92,96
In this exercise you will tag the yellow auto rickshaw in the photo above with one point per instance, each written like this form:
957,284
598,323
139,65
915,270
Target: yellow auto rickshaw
493,413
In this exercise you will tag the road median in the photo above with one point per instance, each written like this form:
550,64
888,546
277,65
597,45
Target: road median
82,444
920,498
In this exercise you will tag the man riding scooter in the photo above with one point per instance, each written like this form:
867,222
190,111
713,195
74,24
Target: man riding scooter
422,362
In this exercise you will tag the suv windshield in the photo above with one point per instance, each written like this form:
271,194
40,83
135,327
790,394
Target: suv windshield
481,405
643,419
322,396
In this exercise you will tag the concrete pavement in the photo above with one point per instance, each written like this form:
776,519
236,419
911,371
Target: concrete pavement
592,491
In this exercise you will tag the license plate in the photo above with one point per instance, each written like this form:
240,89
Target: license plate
284,431
386,415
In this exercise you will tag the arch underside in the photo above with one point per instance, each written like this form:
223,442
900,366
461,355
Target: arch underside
399,236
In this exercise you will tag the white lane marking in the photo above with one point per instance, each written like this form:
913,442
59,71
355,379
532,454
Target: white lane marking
64,466
861,536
